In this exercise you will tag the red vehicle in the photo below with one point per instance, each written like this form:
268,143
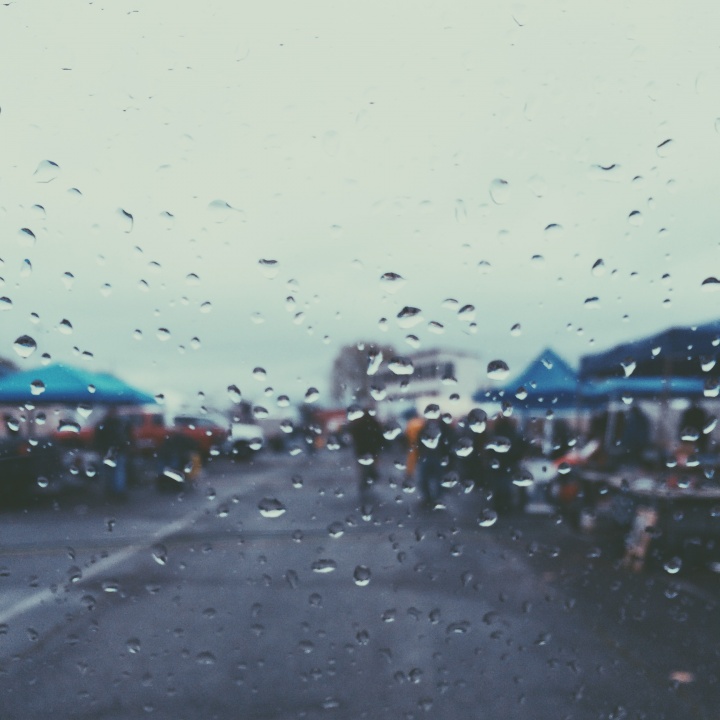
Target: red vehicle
206,433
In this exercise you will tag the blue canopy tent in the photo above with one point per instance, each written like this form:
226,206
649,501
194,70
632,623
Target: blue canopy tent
676,352
59,384
642,387
548,382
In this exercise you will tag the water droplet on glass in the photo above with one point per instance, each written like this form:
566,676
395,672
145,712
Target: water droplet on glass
487,518
477,420
673,565
409,317
219,210
24,346
133,646
25,268
498,370
311,395
324,566
271,508
635,218
466,313
206,307
5,303
126,220
392,282
361,575
592,303
665,148
163,334
628,365
37,387
160,554
484,267
401,366
26,237
46,171
234,393
598,268
259,373
710,284
65,327
500,191
269,268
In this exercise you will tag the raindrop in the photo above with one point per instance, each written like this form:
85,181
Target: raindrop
271,508
664,148
260,413
27,237
466,313
401,366
409,317
673,565
192,279
37,387
635,218
498,370
312,395
133,646
477,420
126,220
195,343
163,334
25,268
46,171
499,191
259,373
269,268
234,393
159,554
628,365
68,280
324,566
392,282
65,327
361,575
592,303
24,346
487,518
220,210
598,267
5,303
206,307
516,330
710,284
483,267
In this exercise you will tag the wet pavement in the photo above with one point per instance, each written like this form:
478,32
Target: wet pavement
273,591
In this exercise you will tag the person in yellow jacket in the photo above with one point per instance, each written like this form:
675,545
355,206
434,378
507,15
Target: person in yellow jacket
412,434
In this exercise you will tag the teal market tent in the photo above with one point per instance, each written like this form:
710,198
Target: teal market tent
60,384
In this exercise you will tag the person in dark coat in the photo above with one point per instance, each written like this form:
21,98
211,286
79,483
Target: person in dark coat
434,457
505,451
113,439
368,442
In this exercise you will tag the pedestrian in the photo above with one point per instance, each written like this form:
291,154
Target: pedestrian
505,452
113,440
413,429
434,454
368,442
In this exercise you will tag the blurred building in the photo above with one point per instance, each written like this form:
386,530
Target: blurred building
444,377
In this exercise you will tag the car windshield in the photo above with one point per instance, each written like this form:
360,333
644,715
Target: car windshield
351,367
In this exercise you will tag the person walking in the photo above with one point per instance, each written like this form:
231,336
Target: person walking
113,439
368,441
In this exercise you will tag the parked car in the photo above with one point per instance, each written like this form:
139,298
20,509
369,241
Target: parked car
206,433
243,440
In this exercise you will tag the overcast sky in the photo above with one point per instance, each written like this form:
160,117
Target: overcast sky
458,144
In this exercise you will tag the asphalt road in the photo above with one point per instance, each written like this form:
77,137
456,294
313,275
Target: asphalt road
273,591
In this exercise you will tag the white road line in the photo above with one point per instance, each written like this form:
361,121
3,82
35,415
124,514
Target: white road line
43,596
